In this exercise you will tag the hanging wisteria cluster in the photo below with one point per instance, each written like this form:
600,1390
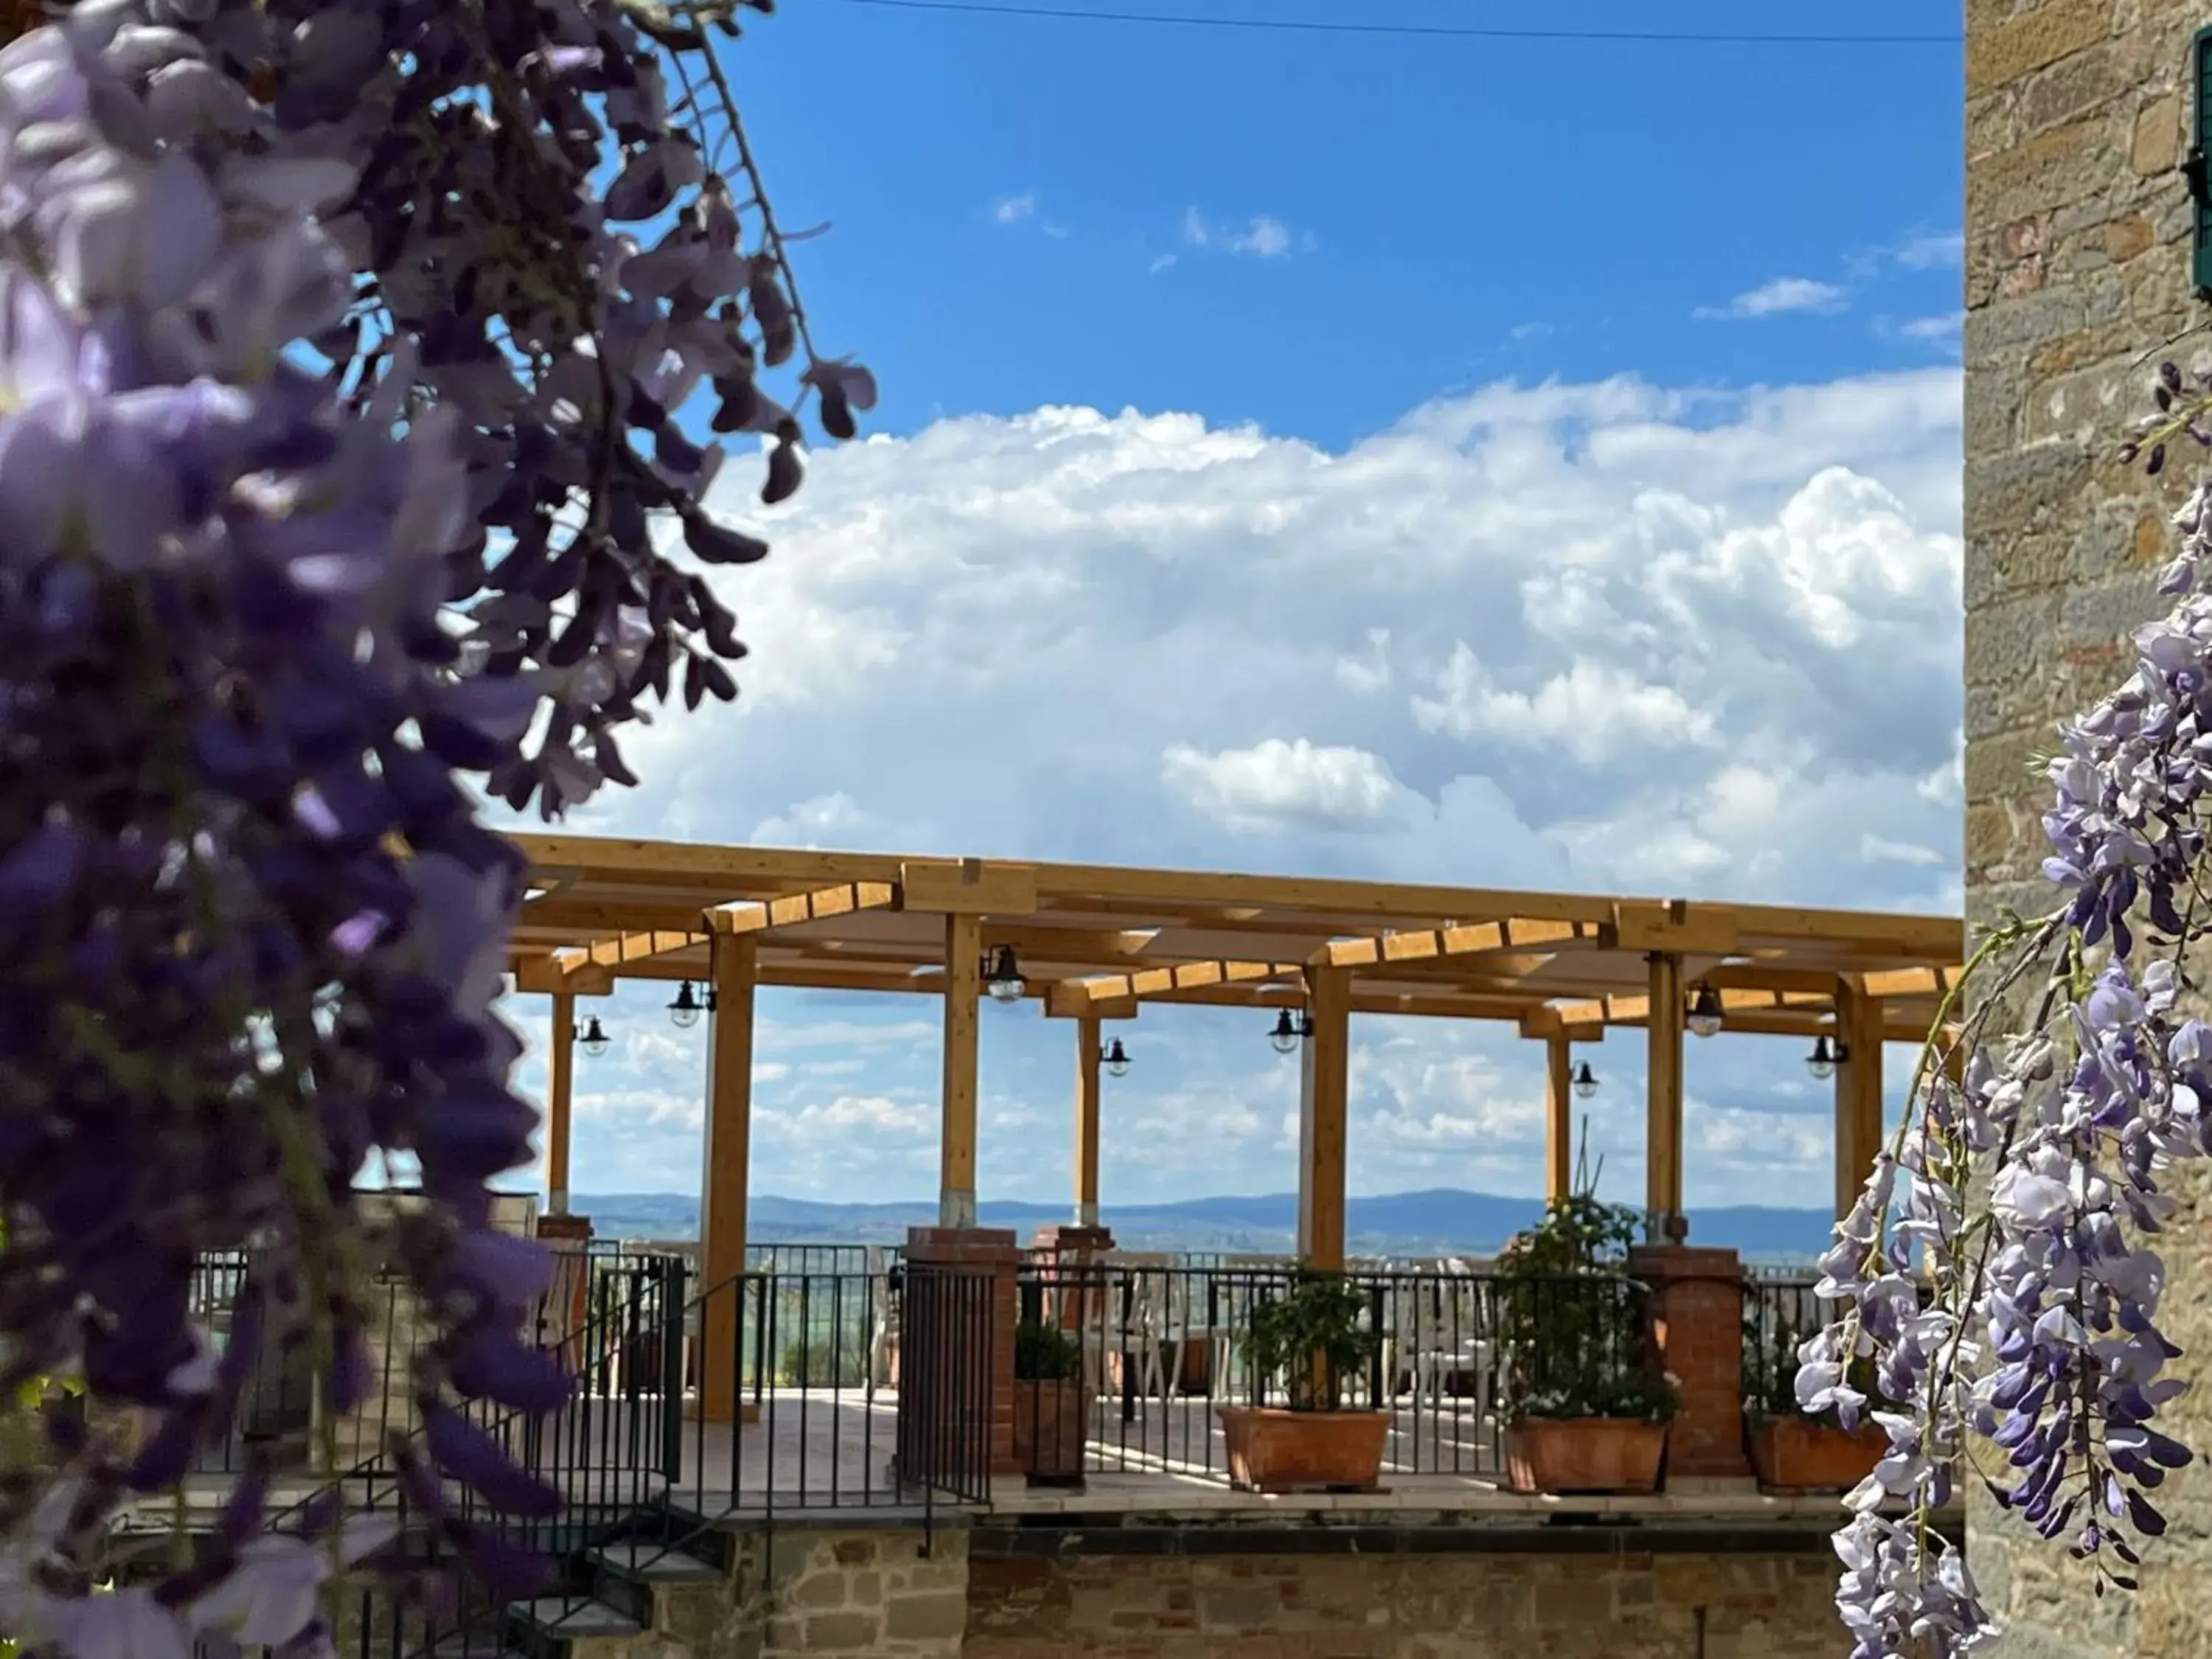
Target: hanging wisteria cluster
2001,1267
343,347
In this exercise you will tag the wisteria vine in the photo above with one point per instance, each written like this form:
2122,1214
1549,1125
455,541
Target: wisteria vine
347,353
1998,1268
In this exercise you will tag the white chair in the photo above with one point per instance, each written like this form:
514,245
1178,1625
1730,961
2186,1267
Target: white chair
1130,1322
883,1327
1444,1340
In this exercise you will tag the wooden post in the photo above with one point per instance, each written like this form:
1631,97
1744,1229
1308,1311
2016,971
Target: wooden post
728,1160
1086,1120
561,1066
1323,1087
963,980
1858,1091
1558,1118
1662,1139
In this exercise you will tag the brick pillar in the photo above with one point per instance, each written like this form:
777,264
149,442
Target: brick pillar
565,1229
956,1404
1697,1334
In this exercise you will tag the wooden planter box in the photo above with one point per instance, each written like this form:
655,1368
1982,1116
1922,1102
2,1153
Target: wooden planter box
1802,1453
1282,1451
1584,1454
1052,1418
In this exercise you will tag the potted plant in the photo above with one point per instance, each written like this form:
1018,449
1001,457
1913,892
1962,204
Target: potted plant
1315,1335
1585,1409
1052,1408
1790,1451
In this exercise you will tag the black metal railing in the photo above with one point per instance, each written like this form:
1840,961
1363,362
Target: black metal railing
807,1389
606,1451
693,1413
1133,1362
275,1425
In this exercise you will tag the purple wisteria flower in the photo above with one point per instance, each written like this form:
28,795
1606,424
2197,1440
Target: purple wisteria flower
2024,1193
340,385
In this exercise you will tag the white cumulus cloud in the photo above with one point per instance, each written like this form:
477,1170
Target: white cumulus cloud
1597,636
1276,785
1782,295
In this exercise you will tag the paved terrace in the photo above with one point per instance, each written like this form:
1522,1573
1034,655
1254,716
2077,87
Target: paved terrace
811,1452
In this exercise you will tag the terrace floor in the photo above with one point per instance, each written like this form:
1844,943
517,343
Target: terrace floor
812,1451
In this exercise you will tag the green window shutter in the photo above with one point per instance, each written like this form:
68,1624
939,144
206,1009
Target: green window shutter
2200,187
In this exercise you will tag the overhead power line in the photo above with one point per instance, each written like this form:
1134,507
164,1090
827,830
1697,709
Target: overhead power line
1463,32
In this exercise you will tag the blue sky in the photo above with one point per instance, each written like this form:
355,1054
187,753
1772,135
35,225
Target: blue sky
1476,208
1515,463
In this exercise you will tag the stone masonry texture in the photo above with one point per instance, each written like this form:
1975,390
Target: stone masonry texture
1402,1607
887,1593
845,1595
2077,282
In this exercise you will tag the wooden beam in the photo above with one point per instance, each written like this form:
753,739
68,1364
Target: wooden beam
601,858
1474,938
1327,895
1675,927
1909,982
1933,938
963,978
1323,1088
728,1163
1559,1119
1075,997
1582,1022
578,919
1662,1138
640,947
1784,1024
792,910
577,863
556,975
1858,1092
1069,944
560,1071
1735,1003
969,887
1087,1070
1817,985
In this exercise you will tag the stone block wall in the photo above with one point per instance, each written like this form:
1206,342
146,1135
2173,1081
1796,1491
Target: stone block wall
2077,282
812,1595
1455,1606
2076,261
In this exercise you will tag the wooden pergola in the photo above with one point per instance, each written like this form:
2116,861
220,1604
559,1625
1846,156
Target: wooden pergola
1097,943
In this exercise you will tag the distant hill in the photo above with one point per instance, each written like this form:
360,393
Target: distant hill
1440,1221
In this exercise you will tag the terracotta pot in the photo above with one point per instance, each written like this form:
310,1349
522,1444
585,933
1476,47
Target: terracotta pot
1803,1454
1282,1451
1052,1417
1584,1454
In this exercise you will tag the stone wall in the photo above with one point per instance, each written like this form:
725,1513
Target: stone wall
803,1593
2077,281
2076,265
1455,1606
